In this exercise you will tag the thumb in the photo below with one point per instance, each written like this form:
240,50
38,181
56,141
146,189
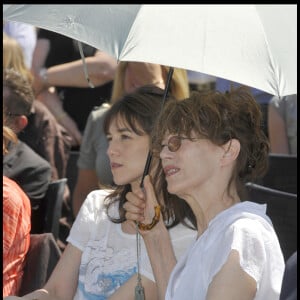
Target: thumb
149,191
152,213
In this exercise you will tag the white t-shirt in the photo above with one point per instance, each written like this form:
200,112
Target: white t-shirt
108,254
245,228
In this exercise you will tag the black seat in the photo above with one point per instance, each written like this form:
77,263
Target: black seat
282,210
289,281
52,206
282,173
40,260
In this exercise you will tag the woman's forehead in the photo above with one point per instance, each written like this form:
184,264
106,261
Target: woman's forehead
120,121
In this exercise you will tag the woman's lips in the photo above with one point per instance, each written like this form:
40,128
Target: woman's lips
114,165
170,170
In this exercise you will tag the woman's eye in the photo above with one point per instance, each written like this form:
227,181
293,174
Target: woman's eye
125,137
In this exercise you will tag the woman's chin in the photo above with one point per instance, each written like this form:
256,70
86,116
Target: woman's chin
172,189
175,189
120,181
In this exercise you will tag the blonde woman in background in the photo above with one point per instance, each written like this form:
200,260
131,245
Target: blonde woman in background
130,75
93,163
13,57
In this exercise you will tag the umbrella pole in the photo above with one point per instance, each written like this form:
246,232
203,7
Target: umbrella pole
139,289
149,158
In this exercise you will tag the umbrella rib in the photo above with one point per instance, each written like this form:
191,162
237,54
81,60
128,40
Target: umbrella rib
86,74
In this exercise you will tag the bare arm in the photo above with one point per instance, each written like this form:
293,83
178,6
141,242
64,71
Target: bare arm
277,132
157,240
63,281
87,181
126,291
48,95
232,282
101,69
40,54
162,257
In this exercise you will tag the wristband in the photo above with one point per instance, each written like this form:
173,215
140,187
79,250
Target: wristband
43,75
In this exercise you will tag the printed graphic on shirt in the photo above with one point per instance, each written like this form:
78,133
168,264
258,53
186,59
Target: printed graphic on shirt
104,269
106,285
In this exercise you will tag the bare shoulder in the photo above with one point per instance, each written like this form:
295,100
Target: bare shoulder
232,282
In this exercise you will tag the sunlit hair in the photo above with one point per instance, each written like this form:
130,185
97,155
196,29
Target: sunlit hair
9,135
179,86
13,57
220,117
139,111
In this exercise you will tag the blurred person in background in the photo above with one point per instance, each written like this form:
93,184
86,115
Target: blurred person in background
16,226
21,163
60,81
282,124
40,130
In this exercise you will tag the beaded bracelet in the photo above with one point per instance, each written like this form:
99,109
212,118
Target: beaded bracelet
155,220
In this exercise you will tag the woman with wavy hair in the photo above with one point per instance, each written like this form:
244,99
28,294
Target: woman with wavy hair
210,145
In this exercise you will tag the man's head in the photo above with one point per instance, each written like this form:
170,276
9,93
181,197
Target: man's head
18,98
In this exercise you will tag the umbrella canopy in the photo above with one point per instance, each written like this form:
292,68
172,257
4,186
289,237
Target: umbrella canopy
255,45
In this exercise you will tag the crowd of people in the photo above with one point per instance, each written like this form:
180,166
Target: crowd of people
186,229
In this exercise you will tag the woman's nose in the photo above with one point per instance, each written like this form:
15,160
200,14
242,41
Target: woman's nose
112,149
165,152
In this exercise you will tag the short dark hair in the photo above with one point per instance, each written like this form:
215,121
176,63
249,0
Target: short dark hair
219,118
18,94
139,109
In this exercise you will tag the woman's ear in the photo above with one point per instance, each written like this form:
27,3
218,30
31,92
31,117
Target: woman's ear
19,123
231,151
